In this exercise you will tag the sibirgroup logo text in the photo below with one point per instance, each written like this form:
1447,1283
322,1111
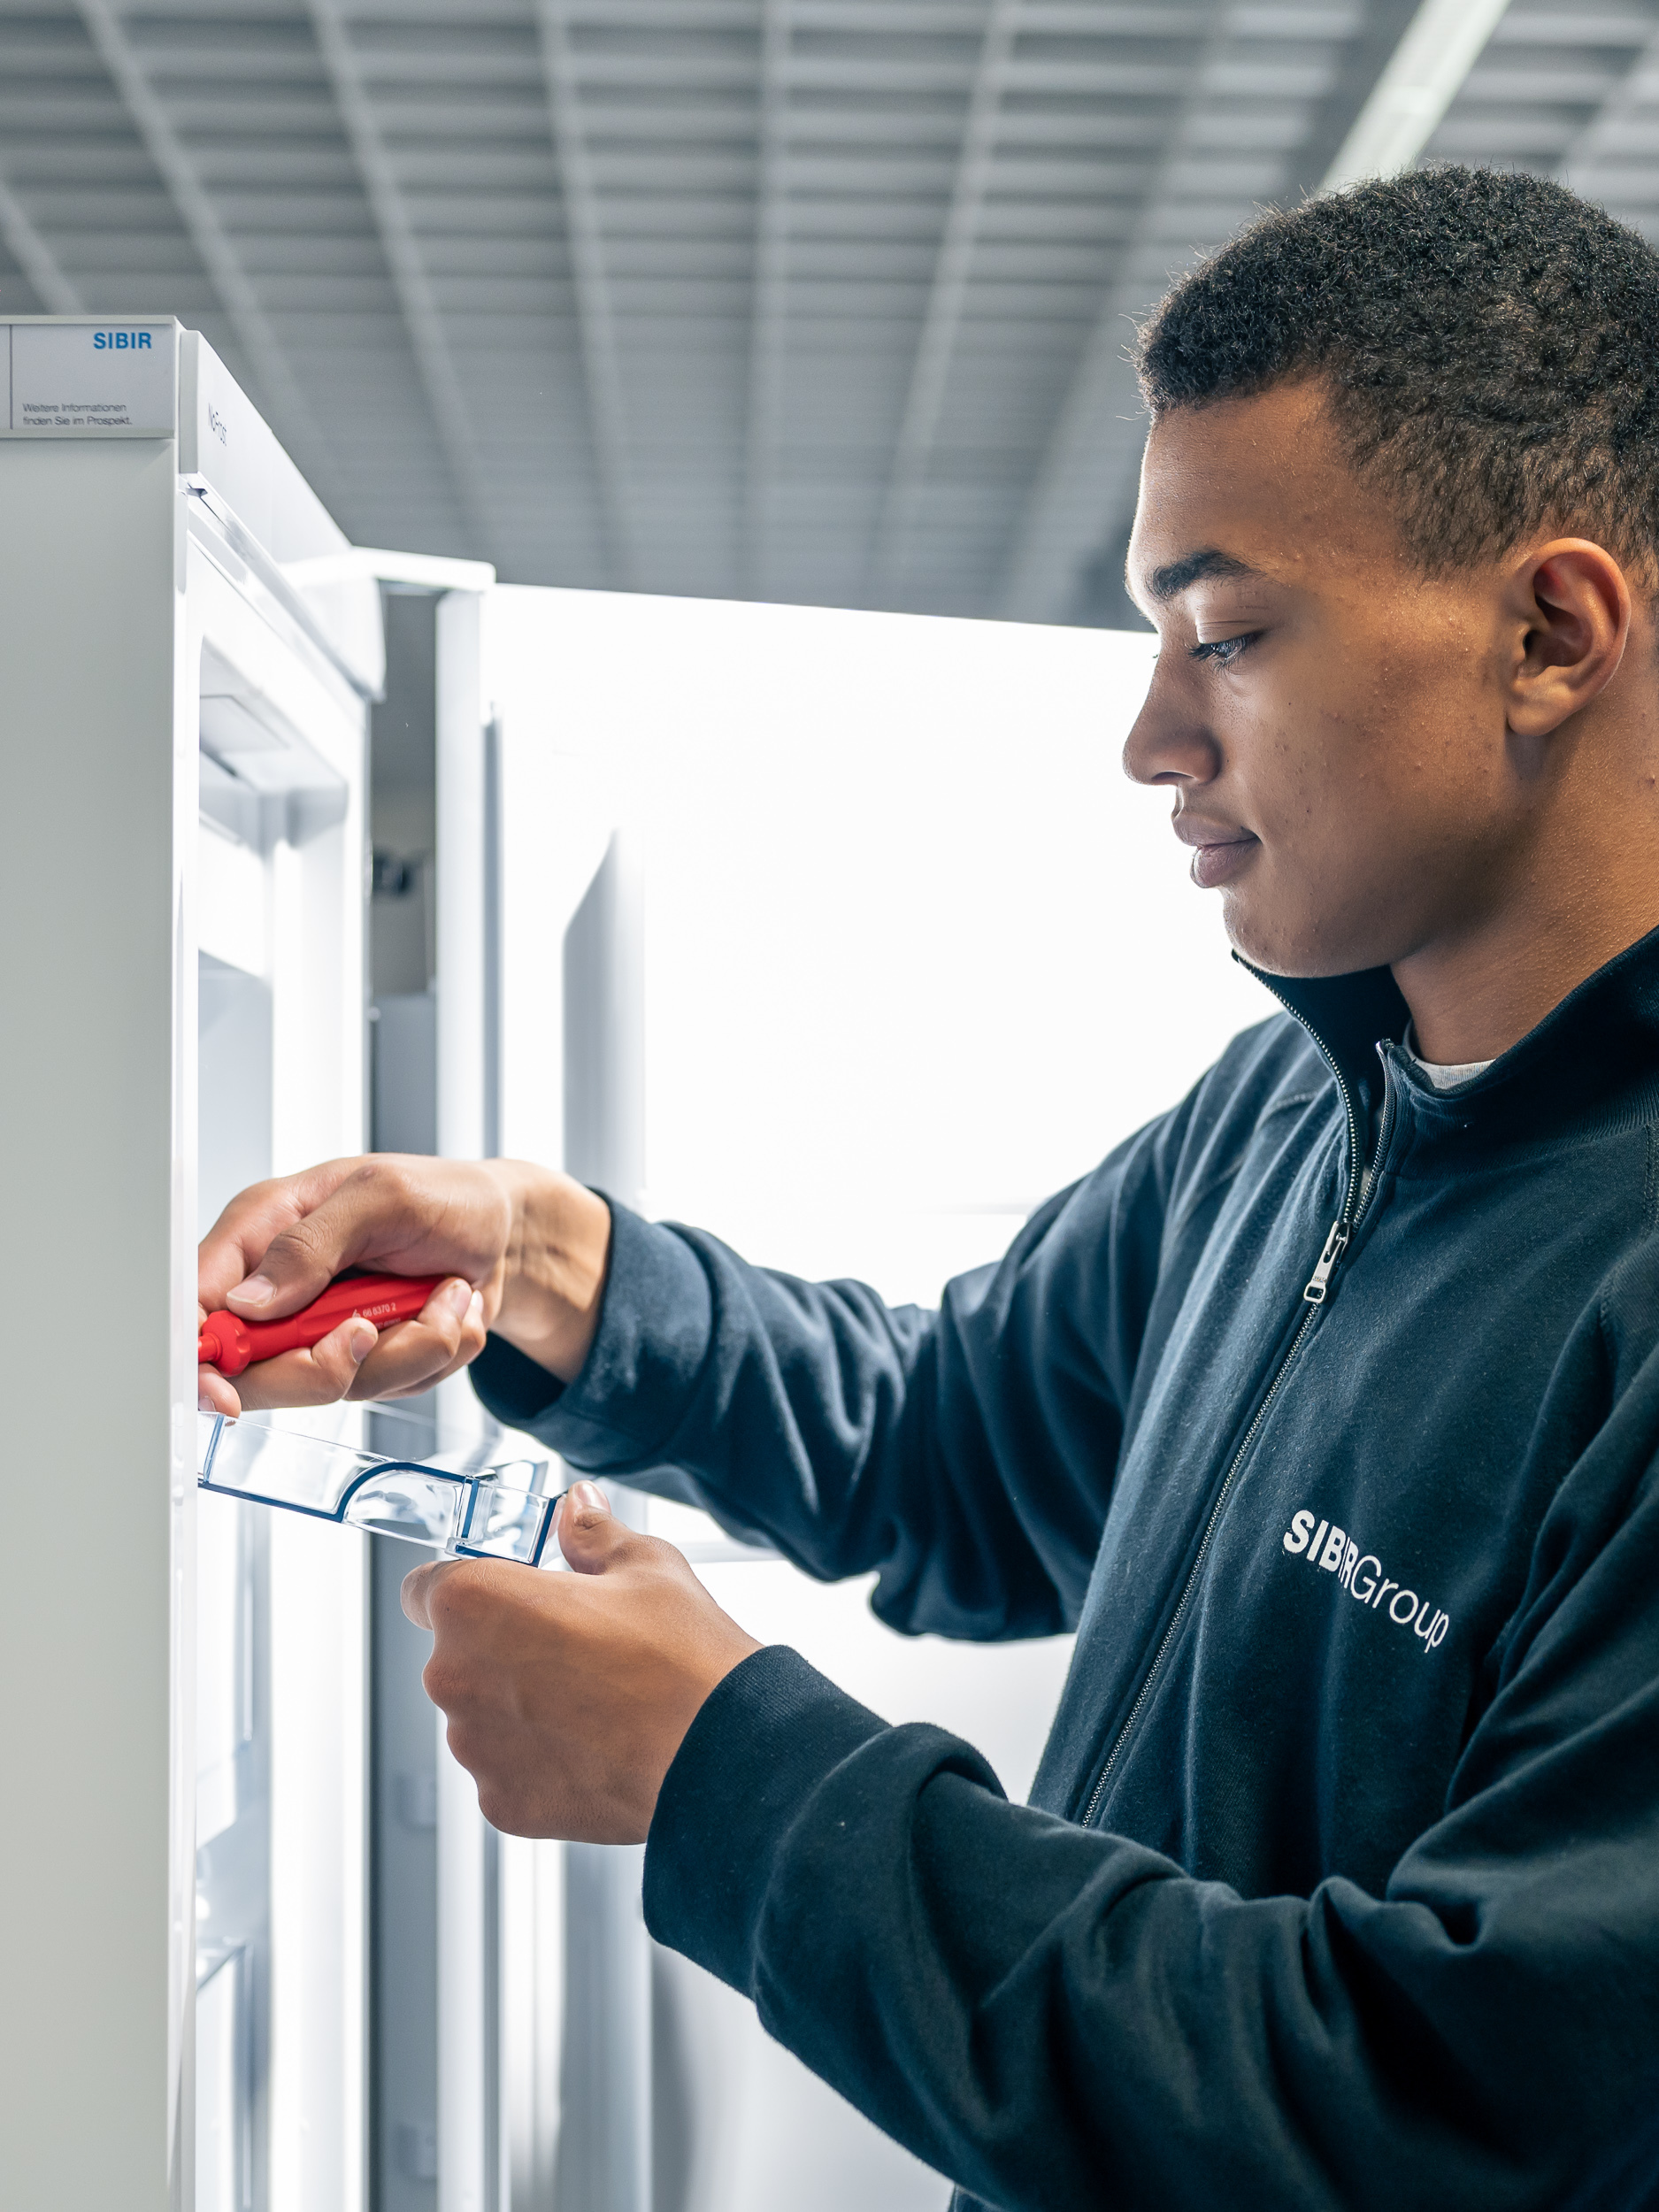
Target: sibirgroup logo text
1361,1574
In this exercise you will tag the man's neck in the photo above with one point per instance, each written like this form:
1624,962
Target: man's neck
1474,996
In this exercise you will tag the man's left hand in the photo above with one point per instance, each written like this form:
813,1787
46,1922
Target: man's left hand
568,1696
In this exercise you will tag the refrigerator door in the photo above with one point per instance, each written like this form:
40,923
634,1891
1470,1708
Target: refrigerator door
182,840
97,1007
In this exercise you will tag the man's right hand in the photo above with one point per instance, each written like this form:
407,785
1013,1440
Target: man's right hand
524,1251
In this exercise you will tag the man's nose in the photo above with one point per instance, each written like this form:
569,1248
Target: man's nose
1172,742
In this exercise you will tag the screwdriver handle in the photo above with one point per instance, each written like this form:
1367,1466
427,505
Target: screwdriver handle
230,1343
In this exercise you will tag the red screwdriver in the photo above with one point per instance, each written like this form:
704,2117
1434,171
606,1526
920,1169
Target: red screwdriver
230,1343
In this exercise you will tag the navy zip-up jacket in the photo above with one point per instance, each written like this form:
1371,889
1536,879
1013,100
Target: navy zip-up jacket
1340,1883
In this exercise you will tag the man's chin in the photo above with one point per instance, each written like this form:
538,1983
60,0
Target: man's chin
1267,942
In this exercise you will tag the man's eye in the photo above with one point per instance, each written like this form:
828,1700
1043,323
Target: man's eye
1223,651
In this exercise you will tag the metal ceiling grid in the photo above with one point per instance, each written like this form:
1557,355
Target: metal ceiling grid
824,300
1573,91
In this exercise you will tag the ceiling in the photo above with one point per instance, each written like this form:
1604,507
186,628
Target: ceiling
816,300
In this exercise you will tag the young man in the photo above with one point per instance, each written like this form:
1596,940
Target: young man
1326,1410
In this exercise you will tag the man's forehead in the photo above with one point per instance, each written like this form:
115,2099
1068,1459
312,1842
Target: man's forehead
1248,490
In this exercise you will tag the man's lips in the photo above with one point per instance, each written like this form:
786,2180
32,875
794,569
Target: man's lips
1220,850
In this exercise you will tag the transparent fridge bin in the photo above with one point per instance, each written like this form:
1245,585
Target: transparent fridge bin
450,1502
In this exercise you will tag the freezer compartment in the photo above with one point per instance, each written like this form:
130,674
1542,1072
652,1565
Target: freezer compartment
450,1502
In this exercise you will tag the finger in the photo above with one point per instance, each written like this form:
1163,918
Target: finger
214,1395
414,1355
319,1376
474,1334
417,1590
240,1236
371,1213
237,1239
590,1536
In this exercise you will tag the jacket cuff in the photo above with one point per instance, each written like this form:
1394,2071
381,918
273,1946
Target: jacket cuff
765,1739
641,1370
519,1391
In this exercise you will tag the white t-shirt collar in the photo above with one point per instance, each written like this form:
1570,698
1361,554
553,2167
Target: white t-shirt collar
1443,1074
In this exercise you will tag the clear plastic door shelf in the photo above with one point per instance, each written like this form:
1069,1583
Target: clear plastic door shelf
445,1500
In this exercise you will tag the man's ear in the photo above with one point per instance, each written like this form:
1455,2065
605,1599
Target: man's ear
1569,613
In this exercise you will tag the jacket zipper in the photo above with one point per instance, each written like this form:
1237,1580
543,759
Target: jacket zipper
1314,1294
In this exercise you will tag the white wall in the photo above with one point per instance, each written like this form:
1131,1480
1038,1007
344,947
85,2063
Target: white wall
916,946
917,954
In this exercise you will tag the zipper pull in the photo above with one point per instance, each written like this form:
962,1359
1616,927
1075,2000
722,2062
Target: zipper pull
1318,1282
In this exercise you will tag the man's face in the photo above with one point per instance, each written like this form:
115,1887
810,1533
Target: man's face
1331,723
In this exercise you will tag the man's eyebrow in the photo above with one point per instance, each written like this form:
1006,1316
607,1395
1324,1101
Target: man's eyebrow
1174,577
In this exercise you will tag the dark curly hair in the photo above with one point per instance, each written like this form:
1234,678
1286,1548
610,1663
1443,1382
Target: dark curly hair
1489,345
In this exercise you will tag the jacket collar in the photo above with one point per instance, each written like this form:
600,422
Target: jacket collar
1592,1063
1347,1016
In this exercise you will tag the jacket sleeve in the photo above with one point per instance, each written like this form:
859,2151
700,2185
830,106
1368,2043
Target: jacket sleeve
1057,2017
967,1455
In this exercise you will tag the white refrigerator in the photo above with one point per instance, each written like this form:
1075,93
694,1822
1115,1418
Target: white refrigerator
188,651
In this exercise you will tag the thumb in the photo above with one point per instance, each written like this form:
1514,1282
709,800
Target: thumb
590,1536
295,1267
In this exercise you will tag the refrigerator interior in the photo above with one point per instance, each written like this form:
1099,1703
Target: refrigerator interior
280,1605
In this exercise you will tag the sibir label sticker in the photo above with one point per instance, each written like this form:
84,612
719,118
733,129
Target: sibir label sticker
94,376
